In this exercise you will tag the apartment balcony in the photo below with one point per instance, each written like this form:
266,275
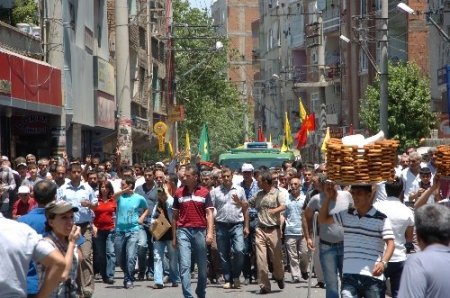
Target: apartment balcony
331,19
140,124
308,76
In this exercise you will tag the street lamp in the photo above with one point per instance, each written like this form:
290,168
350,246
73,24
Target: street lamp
404,7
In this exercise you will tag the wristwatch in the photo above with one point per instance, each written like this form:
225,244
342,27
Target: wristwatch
385,264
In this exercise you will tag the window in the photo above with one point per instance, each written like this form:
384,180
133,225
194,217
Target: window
363,7
141,82
73,15
141,38
363,62
315,103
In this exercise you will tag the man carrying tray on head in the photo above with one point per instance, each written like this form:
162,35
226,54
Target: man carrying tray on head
366,231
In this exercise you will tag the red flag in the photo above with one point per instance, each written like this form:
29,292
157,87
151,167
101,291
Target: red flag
308,125
302,136
260,134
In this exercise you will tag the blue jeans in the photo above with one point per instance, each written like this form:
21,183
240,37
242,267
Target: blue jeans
145,249
331,259
356,285
394,273
126,250
104,254
230,243
159,248
192,242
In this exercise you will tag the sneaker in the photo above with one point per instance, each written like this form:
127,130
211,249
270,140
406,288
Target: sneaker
263,291
305,275
174,285
247,281
108,281
236,283
320,285
157,286
280,283
128,285
141,276
149,277
227,285
295,280
166,279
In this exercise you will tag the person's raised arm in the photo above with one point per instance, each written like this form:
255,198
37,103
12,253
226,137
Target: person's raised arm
422,200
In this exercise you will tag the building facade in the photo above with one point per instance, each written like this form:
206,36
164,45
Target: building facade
235,20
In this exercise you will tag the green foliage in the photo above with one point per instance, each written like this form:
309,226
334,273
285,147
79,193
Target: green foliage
409,105
25,11
202,83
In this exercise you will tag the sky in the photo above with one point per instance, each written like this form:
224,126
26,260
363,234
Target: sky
201,3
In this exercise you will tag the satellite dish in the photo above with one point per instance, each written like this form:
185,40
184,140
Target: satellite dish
321,5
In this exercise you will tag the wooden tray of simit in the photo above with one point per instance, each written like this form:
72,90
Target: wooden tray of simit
365,165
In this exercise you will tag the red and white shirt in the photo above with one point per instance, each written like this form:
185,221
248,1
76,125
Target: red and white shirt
192,207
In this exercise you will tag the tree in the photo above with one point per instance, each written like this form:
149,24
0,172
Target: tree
202,85
409,105
25,11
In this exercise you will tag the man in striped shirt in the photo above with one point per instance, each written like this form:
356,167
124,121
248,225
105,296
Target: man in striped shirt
366,231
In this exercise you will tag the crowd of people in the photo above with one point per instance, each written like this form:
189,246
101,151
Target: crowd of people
66,223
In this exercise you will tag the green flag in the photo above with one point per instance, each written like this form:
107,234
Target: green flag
203,144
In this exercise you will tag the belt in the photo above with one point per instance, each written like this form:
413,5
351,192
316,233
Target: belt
330,243
83,224
268,228
229,223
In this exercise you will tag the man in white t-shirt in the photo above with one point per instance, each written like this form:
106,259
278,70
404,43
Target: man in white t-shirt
410,177
402,221
20,245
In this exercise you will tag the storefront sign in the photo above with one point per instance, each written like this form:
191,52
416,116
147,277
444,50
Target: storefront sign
104,76
176,113
105,111
30,125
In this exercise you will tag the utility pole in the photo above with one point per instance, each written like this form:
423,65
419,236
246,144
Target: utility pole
124,131
384,68
54,55
322,94
149,67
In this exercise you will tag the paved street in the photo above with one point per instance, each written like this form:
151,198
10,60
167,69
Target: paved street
143,289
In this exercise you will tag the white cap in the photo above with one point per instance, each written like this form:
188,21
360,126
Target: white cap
5,158
24,189
160,163
246,167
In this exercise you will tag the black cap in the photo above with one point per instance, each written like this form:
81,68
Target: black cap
425,170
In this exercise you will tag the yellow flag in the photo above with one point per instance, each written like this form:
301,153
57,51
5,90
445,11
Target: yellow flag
187,148
284,148
287,131
170,149
301,111
325,140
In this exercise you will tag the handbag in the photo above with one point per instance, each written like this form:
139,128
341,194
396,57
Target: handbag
159,227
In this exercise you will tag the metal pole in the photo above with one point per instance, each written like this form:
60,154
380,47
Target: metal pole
54,55
149,67
322,93
124,135
384,68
